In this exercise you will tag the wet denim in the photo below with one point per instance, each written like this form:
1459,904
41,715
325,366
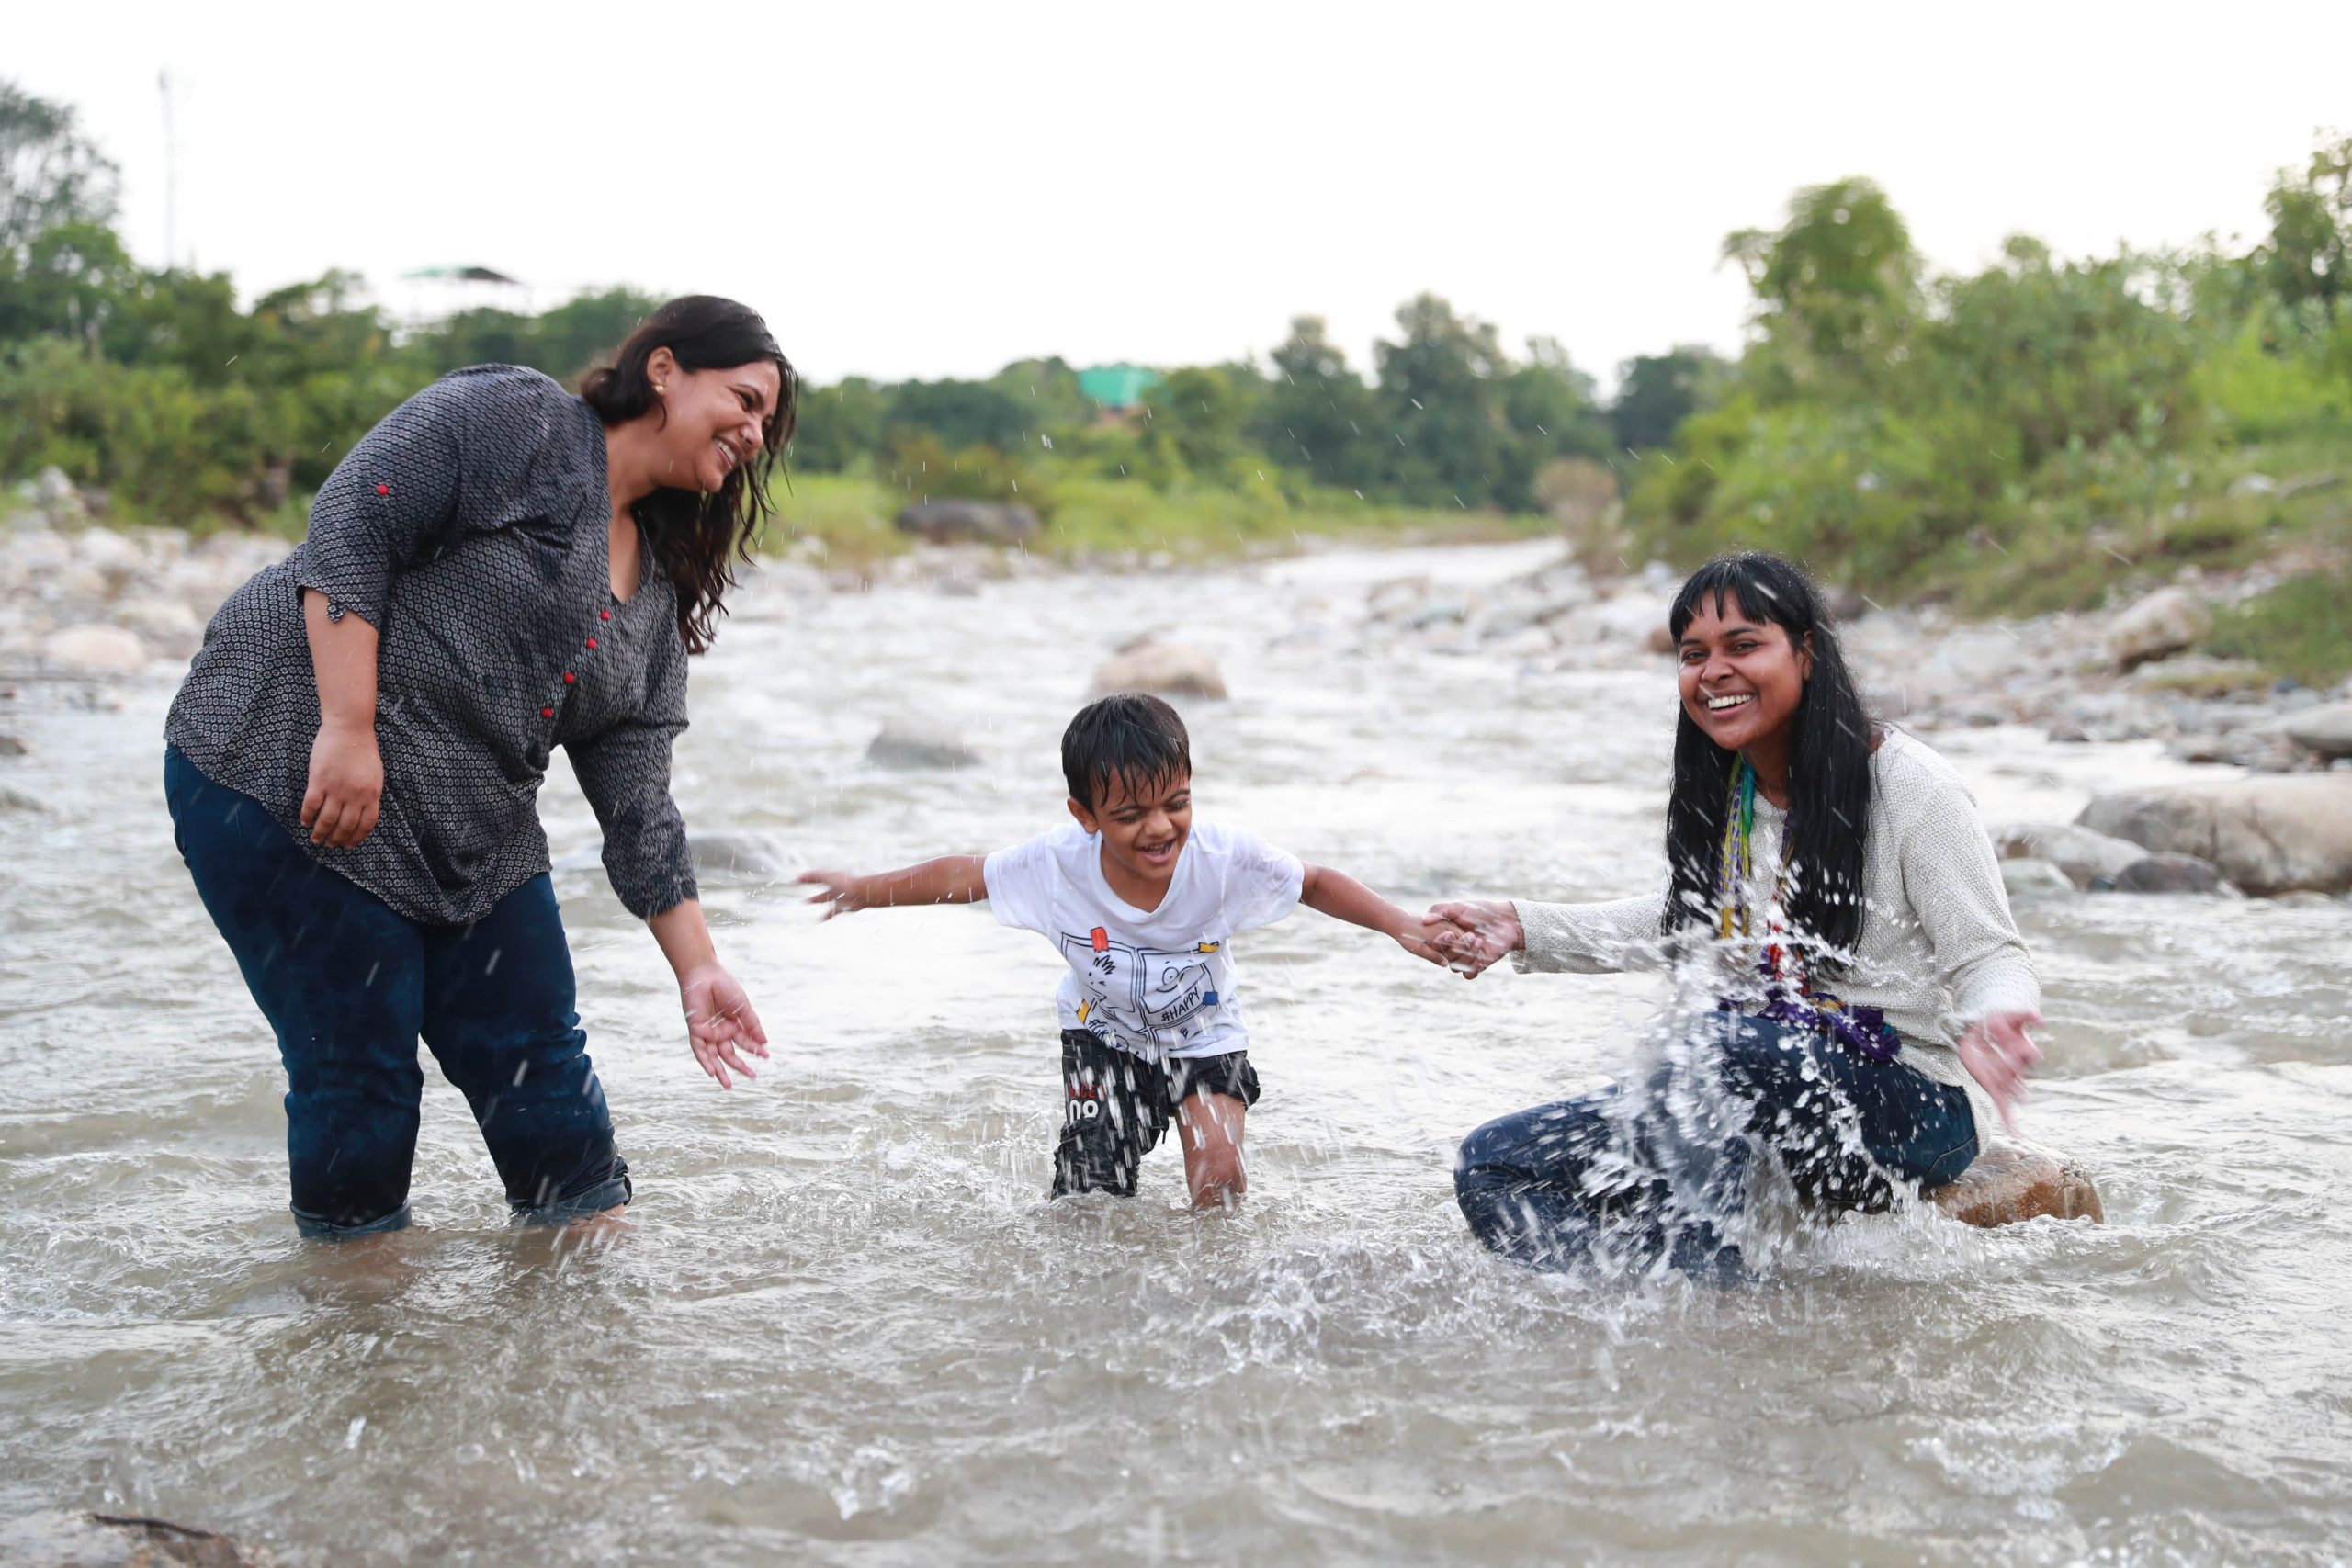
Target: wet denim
1545,1186
349,985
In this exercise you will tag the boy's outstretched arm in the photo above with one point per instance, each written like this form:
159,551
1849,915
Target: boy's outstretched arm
951,879
1342,896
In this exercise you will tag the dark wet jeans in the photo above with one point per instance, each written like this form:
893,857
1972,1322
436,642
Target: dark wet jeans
1551,1185
349,985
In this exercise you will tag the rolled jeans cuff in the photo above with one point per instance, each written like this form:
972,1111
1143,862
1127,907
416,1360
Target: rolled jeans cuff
610,1193
315,1228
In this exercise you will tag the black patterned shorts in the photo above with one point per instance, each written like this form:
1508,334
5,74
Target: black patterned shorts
1116,1107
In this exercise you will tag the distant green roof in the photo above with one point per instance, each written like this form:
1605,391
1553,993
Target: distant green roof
464,273
1117,386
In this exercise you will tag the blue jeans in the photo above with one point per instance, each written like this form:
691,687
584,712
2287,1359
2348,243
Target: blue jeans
1545,1185
349,985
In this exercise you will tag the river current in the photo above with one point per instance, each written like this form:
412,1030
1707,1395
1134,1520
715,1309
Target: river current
844,1326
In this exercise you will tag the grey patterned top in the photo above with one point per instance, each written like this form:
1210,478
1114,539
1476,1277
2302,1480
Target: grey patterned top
469,528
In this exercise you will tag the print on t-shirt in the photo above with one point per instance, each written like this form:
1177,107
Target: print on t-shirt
1159,982
1143,990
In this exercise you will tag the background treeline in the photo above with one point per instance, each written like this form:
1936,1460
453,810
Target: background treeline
2019,436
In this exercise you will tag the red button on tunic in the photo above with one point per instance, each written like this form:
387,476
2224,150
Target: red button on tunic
383,490
604,615
547,713
568,677
591,645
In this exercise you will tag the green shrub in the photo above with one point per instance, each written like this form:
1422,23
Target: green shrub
2301,629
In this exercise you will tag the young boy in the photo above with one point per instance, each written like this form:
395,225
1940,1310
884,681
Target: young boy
1143,902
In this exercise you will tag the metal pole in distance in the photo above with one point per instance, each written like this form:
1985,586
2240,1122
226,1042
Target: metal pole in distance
171,176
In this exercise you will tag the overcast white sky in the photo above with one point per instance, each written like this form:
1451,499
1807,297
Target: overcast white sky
927,191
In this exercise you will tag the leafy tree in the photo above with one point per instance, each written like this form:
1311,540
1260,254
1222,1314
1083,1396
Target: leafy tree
67,283
484,335
50,175
2059,354
1317,413
961,414
2308,257
1196,422
1837,285
1439,399
583,331
840,425
1046,389
1656,392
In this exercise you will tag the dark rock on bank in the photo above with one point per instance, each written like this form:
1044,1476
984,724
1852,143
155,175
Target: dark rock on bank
969,522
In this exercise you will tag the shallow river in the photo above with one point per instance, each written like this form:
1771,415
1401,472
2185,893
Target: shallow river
842,1327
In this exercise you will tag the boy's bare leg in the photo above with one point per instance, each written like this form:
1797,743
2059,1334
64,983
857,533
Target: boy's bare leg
1210,1127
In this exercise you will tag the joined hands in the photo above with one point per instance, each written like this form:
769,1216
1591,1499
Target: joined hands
1470,936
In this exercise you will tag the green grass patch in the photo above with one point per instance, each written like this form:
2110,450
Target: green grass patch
2301,629
849,512
1083,516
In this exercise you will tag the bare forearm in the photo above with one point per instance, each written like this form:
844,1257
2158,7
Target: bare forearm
343,661
951,879
685,937
1342,896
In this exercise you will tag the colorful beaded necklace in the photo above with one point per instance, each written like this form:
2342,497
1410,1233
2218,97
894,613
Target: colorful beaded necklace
1788,997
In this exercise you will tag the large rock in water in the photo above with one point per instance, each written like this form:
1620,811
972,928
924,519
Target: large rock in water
919,743
2028,878
2006,1186
2271,834
1170,669
2326,730
109,1540
969,522
2165,622
726,856
89,649
2082,855
2168,874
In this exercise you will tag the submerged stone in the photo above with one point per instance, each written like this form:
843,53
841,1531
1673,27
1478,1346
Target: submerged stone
920,743
2006,1186
107,1541
1170,669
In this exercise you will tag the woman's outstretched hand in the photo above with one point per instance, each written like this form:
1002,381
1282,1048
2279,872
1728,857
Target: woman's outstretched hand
1998,1053
720,1022
1473,935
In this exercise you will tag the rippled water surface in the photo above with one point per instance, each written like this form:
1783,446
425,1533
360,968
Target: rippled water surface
842,1327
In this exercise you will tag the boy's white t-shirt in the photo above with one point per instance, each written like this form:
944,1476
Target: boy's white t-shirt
1159,983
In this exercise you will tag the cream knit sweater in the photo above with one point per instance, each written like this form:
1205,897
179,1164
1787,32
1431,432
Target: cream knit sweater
1938,951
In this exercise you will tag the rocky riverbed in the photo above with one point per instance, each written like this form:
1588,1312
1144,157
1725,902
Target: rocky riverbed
843,1328
84,606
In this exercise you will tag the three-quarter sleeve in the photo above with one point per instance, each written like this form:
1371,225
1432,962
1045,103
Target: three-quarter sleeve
1591,938
388,502
625,773
1952,882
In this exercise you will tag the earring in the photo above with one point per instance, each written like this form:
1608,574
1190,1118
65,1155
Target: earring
661,389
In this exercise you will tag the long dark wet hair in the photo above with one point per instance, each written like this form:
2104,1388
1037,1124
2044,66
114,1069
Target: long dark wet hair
1829,764
699,538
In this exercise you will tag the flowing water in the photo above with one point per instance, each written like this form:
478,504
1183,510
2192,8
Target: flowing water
842,1327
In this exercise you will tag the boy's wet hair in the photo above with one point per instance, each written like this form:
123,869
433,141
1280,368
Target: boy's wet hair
1124,738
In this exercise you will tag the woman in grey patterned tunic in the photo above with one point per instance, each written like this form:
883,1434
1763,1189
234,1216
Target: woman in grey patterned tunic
353,764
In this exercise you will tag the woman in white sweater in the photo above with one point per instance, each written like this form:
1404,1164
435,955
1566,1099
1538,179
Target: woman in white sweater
1833,889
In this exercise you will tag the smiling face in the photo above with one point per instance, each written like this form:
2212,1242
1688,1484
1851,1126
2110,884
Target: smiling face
1741,677
1144,824
715,419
